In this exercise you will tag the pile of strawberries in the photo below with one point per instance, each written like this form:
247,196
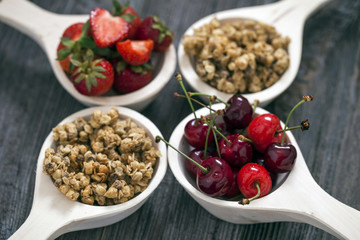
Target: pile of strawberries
112,50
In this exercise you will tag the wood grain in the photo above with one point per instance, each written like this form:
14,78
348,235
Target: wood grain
32,102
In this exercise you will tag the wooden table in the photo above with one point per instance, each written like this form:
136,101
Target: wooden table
32,102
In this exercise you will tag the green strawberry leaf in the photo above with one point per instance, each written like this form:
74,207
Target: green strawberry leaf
87,42
98,69
85,29
137,69
161,37
67,42
120,66
129,17
92,79
63,53
75,62
79,78
148,66
98,75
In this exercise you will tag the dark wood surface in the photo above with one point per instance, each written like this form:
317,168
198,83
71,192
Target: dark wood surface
32,102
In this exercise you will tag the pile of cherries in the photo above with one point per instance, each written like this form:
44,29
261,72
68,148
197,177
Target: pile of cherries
236,153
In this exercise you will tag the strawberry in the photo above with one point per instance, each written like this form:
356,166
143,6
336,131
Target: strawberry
92,77
130,78
135,52
129,15
153,28
73,32
107,29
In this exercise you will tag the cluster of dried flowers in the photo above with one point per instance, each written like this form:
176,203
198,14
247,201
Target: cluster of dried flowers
238,57
103,161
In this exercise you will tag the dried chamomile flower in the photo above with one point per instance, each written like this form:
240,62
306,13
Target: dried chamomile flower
238,57
103,161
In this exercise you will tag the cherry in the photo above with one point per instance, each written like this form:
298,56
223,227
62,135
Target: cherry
238,113
260,159
254,181
214,175
234,189
280,158
222,126
218,178
195,133
198,156
235,151
262,131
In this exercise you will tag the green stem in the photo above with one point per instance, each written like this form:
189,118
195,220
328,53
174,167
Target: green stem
208,95
258,193
288,129
305,99
256,103
179,78
203,169
195,100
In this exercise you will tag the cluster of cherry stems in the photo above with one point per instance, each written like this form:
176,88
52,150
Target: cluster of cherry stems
251,151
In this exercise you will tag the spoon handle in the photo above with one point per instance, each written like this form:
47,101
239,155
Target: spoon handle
296,11
329,214
41,225
39,24
26,17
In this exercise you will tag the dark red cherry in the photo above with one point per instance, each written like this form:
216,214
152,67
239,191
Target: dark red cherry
262,131
260,159
217,181
198,156
239,113
280,158
237,152
222,126
234,189
250,175
195,133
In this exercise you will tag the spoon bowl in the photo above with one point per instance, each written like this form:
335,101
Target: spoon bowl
52,214
296,196
287,16
46,28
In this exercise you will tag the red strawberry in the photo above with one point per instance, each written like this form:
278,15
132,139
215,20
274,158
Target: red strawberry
130,78
73,32
106,29
134,20
129,15
153,28
135,52
93,77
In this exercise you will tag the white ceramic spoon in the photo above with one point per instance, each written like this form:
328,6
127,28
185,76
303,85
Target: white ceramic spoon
52,214
288,16
297,198
46,28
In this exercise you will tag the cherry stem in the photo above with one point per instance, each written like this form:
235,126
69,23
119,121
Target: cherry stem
256,103
248,200
203,169
179,78
223,136
210,96
212,119
243,138
305,99
194,100
302,127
